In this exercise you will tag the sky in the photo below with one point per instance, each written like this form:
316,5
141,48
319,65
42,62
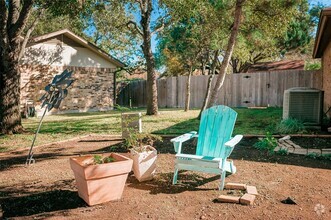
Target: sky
327,3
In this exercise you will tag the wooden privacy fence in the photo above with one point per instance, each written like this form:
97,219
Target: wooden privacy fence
239,90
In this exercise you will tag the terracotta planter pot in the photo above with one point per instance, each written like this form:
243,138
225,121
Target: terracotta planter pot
144,163
102,182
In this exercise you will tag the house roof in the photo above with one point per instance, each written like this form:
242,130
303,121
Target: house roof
323,34
279,65
80,41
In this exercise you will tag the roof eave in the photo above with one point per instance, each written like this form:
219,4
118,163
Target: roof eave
83,42
325,15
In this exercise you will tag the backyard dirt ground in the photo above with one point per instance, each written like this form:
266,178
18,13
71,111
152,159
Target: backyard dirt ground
47,188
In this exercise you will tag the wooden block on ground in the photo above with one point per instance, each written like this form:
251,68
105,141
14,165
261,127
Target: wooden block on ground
247,199
229,199
326,151
252,190
239,186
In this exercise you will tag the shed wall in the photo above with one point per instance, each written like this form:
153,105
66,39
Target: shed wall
326,65
92,90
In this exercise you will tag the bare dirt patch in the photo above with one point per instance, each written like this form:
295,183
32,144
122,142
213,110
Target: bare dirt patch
47,189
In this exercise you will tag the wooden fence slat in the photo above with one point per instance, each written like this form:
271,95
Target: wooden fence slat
239,90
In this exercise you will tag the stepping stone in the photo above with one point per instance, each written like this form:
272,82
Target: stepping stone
239,186
252,190
326,151
289,142
247,199
301,151
229,199
316,151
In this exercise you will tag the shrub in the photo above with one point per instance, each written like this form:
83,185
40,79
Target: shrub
313,155
320,157
268,144
138,141
312,65
282,152
326,156
290,126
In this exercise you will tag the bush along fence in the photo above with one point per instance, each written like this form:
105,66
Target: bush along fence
239,90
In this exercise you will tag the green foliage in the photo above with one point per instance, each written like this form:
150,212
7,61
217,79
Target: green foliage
138,141
98,159
313,65
121,108
290,126
268,144
326,156
282,152
318,156
313,155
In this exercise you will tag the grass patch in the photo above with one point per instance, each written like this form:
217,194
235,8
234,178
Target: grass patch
169,121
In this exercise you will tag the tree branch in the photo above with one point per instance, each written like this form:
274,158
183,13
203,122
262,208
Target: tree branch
158,29
28,33
135,27
13,12
22,19
3,19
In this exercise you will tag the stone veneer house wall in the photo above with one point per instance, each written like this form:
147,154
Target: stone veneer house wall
94,71
322,49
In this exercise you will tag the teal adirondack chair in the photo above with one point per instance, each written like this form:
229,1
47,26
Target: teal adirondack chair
214,144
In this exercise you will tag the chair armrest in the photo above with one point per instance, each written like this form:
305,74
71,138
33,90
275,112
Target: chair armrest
177,141
233,141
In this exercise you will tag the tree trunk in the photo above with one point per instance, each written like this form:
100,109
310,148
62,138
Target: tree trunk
188,91
210,80
13,18
152,104
228,54
10,117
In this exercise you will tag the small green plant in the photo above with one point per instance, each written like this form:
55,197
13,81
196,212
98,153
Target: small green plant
268,144
121,108
319,157
313,155
98,159
313,65
282,152
326,156
138,141
290,126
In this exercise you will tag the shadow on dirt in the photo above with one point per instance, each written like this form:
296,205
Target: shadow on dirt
40,203
162,183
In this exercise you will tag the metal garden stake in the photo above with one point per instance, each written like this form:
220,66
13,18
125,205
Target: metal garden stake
56,91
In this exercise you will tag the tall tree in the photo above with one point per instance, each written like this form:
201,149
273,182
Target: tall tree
228,54
141,22
14,15
13,18
272,29
146,8
183,42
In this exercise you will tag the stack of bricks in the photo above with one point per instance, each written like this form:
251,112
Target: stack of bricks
247,199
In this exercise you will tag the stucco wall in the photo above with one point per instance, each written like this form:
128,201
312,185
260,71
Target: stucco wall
91,91
62,51
326,65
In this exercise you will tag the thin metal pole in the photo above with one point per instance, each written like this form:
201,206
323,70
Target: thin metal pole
30,159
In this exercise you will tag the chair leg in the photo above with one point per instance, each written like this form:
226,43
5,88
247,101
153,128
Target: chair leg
222,180
223,173
174,181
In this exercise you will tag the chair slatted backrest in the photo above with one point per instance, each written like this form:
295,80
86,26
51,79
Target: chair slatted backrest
215,129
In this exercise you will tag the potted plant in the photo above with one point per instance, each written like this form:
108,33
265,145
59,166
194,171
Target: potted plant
143,154
100,178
